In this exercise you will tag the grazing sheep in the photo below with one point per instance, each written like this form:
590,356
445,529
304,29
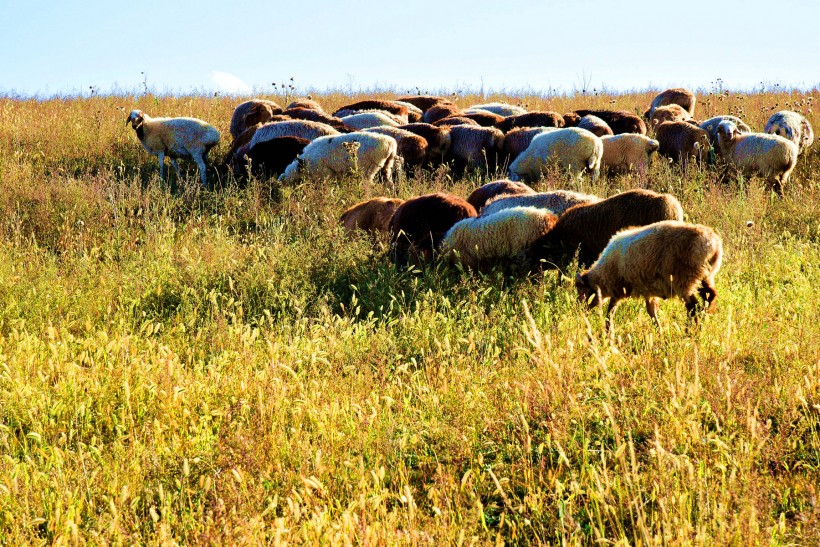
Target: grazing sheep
669,113
620,121
627,152
570,148
423,102
588,228
501,109
318,116
571,119
258,108
792,126
189,138
304,129
365,120
658,261
771,156
518,139
682,141
338,155
441,111
373,216
370,105
450,121
412,148
239,143
474,148
478,241
484,119
556,201
414,113
419,224
438,139
270,158
532,119
595,125
678,95
497,189
306,103
711,126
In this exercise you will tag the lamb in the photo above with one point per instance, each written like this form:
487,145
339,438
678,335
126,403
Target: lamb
411,147
627,152
189,138
308,103
304,129
366,120
532,119
338,155
556,201
658,261
677,95
770,156
423,102
270,158
369,105
595,125
438,139
478,241
518,139
682,141
419,224
318,116
501,109
261,110
711,125
474,147
792,126
497,189
456,120
441,111
669,113
570,148
373,216
588,228
620,121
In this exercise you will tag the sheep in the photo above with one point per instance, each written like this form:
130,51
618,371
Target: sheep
474,147
270,158
450,121
484,119
414,113
669,113
318,116
338,155
239,143
369,105
423,102
532,119
478,241
310,104
441,111
189,138
412,148
627,152
658,261
304,129
711,125
365,120
681,141
419,224
438,139
496,189
571,119
259,108
678,95
770,156
570,148
501,109
556,201
518,139
620,121
595,125
588,228
373,216
792,126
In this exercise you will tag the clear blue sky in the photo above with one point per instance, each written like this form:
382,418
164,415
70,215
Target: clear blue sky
63,47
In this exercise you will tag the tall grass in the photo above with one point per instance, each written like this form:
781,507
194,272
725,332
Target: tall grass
220,367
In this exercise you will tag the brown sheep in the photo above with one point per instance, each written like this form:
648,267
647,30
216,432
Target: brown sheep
662,260
318,116
620,121
517,140
484,119
474,148
669,113
252,112
419,224
310,104
441,111
373,216
681,141
456,120
627,152
678,96
588,228
571,119
595,125
411,147
438,139
497,189
424,102
414,113
532,119
387,106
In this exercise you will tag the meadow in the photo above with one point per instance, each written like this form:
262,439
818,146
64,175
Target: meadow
224,367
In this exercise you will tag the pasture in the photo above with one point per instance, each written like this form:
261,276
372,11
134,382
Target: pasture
224,367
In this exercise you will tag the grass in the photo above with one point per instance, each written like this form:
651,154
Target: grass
219,367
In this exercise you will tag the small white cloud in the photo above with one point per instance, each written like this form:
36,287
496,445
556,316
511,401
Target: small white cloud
229,83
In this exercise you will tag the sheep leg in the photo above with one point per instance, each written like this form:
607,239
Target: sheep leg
652,310
175,165
691,302
610,312
777,186
203,171
708,293
161,157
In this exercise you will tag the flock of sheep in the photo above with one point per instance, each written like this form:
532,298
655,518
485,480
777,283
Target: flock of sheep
636,242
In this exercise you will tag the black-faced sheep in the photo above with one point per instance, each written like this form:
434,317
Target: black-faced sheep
627,152
373,216
620,121
189,138
495,190
419,224
658,261
412,148
424,102
571,148
502,109
260,107
682,141
438,139
270,158
474,148
792,126
677,95
557,201
532,119
595,125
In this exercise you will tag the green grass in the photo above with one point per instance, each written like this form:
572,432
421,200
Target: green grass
223,368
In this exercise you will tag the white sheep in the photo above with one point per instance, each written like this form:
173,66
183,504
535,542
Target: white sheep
660,260
771,156
502,109
711,126
478,240
304,129
338,155
556,201
571,148
627,151
595,125
793,126
366,120
189,138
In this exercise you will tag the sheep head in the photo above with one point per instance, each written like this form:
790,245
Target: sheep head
586,292
135,118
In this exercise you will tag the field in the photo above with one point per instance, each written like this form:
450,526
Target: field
226,368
